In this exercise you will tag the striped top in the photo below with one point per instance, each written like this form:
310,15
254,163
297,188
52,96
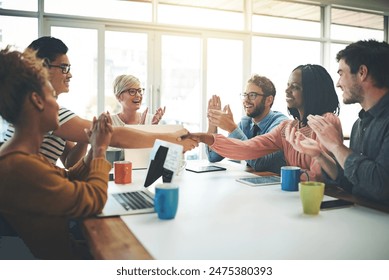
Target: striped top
52,146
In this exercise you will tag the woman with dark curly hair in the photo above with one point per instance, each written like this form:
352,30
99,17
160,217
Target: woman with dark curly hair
37,198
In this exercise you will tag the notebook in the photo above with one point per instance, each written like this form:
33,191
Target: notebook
165,158
140,158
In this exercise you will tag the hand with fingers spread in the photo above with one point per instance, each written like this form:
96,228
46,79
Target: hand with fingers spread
222,119
158,115
301,143
214,103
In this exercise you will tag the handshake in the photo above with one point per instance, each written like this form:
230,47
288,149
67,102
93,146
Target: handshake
192,140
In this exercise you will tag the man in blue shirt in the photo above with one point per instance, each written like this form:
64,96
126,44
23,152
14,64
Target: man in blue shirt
259,119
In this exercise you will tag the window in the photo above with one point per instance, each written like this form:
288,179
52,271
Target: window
10,31
10,35
125,54
200,17
24,5
278,17
112,9
354,26
276,58
82,97
180,90
224,73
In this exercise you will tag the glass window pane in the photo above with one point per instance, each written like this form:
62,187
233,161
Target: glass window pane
278,17
276,58
124,10
199,17
10,35
180,89
82,97
24,5
230,5
10,31
354,26
125,54
273,25
224,73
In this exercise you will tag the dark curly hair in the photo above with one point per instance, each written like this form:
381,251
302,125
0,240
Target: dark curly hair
20,75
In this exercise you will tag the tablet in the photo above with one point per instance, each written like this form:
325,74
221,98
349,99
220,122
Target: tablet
260,180
206,168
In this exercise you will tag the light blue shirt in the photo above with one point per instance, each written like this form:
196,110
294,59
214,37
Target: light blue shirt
271,162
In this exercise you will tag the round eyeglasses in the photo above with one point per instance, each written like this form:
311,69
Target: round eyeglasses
251,95
133,91
64,67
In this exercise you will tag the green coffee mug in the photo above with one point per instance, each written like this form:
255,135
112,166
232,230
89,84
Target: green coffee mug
311,194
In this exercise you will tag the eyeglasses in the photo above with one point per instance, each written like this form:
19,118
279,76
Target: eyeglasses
133,91
251,95
64,67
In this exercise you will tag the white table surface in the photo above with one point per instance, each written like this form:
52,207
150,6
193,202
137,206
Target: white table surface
219,218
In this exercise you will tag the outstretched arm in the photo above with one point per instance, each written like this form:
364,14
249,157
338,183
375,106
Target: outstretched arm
122,137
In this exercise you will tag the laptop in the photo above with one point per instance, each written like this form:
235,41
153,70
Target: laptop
140,158
165,158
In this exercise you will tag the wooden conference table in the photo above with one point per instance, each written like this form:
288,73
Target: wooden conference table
220,218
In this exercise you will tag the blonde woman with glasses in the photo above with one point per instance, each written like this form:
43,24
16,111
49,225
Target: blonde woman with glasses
129,93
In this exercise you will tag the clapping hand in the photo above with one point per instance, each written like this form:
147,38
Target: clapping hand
100,134
158,115
326,132
156,118
301,143
223,119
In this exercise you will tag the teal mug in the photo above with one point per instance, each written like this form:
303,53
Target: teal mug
166,200
290,178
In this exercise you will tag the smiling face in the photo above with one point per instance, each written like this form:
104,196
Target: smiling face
294,91
255,108
348,82
129,102
59,80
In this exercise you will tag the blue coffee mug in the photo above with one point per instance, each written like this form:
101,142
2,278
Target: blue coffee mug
166,200
290,178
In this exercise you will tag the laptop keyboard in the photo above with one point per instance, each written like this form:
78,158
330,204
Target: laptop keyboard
134,200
